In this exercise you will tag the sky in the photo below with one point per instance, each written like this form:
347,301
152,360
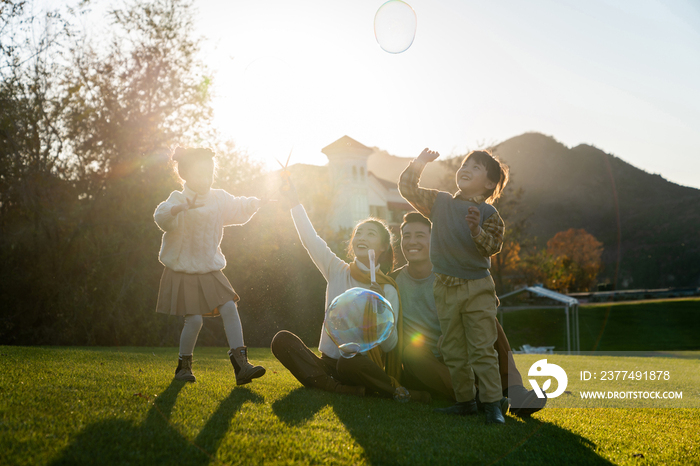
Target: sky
623,76
295,75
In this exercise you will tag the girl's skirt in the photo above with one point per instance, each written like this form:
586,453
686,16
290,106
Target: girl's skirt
188,293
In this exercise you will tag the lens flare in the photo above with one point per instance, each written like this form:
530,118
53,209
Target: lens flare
417,339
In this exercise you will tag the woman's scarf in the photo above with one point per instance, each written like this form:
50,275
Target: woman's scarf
391,361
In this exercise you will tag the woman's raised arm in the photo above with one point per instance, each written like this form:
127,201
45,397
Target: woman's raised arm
324,258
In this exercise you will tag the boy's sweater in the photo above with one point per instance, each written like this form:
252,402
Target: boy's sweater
462,256
192,238
453,250
337,273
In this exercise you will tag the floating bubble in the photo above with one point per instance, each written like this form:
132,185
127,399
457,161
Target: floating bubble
395,26
358,320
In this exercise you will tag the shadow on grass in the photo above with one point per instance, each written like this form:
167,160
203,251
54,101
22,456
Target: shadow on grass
391,433
155,441
300,405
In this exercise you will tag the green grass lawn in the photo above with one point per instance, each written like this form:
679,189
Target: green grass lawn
668,325
121,406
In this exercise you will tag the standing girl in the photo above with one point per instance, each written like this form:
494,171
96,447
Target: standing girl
193,284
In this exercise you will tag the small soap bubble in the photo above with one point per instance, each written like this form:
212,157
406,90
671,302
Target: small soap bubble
358,320
395,26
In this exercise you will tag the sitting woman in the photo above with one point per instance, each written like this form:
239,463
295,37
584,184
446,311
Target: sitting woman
365,371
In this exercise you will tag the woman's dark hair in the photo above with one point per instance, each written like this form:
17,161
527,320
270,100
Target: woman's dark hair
496,171
385,259
185,157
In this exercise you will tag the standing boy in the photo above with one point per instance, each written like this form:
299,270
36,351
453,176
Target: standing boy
467,231
423,365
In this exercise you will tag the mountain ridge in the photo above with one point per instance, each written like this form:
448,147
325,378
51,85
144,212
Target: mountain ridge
651,224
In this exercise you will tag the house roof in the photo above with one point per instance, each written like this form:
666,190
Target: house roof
543,292
346,146
399,206
386,183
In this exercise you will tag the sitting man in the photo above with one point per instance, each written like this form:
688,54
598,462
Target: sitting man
424,368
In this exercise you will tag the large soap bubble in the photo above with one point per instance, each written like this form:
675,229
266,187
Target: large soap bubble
358,320
395,26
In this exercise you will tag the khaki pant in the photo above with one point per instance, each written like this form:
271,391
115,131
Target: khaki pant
467,315
424,371
325,372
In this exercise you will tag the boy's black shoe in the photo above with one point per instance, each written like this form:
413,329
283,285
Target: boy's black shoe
493,413
524,402
505,404
461,408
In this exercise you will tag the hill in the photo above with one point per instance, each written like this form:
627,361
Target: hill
650,227
389,167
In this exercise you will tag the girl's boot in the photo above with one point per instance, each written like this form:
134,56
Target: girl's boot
245,371
184,369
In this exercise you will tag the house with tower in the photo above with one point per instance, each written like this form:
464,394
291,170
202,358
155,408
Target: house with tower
356,192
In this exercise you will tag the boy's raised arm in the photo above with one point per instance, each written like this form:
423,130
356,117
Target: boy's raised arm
489,241
421,199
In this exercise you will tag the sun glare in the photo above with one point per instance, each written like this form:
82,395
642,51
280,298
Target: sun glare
303,74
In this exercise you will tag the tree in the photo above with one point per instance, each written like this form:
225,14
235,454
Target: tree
85,133
539,266
506,265
34,193
580,255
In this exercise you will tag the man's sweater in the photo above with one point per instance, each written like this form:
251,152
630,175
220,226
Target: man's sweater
421,325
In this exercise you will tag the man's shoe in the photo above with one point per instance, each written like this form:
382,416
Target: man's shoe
524,402
461,408
493,413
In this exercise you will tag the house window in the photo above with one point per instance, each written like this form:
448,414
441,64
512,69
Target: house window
362,173
396,216
378,211
354,173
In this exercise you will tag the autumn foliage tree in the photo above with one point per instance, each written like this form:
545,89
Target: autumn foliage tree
570,262
578,254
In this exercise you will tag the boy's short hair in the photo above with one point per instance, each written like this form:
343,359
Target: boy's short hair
415,217
496,171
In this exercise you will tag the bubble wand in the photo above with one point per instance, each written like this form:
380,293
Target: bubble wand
372,273
372,278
